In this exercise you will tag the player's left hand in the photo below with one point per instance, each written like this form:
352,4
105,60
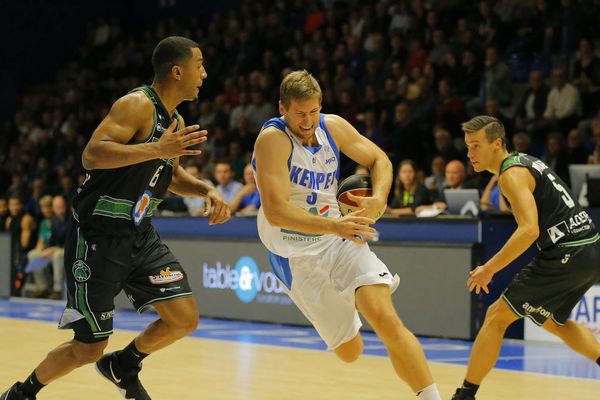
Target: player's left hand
216,208
480,279
374,207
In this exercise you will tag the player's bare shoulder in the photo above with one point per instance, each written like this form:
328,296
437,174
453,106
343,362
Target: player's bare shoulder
515,179
134,107
273,139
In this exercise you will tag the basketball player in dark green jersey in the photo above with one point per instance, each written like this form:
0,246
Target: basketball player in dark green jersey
131,160
568,264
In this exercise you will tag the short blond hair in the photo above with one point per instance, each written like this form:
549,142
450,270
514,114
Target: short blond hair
492,127
299,85
46,201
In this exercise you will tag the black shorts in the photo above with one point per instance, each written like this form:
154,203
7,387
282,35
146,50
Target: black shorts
99,267
552,284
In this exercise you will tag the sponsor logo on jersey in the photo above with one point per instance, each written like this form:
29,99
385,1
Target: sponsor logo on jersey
166,276
141,207
330,160
529,309
81,271
107,315
160,128
558,231
311,179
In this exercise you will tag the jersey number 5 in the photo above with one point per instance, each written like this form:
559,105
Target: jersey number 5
565,195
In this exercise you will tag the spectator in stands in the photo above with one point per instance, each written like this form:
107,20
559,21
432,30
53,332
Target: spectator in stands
492,109
497,84
531,108
196,205
247,201
577,153
521,143
241,110
22,228
38,284
595,157
227,187
556,156
444,146
438,49
586,76
437,180
410,196
3,214
470,75
56,249
449,111
259,111
456,178
491,198
237,159
564,104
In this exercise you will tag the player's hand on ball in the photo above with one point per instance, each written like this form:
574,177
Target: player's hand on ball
216,208
480,279
355,227
373,207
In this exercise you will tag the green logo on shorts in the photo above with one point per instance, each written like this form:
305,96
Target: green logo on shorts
81,271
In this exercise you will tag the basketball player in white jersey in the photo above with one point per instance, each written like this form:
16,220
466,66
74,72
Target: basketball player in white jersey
319,256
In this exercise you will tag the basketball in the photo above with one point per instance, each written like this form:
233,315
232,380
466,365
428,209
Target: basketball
358,185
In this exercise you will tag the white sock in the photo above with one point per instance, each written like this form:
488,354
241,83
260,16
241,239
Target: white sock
429,393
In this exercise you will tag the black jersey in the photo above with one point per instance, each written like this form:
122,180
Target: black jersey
120,201
561,219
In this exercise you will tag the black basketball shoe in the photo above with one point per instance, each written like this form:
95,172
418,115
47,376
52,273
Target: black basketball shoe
13,393
127,382
461,396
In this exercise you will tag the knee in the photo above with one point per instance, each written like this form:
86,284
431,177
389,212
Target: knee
387,325
184,324
350,351
498,317
350,356
87,353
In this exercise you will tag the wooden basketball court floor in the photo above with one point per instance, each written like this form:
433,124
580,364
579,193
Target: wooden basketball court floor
241,360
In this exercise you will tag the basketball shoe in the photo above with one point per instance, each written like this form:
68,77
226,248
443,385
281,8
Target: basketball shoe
13,393
127,382
459,396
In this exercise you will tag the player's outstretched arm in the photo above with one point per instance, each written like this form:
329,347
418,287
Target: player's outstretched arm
271,151
108,147
517,184
367,153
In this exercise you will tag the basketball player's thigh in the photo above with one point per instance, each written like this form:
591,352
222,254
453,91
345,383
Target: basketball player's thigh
331,312
93,280
157,276
356,265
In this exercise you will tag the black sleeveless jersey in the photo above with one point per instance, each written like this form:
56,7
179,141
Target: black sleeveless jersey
120,201
561,219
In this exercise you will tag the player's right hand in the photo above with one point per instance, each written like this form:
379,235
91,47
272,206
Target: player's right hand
175,144
354,227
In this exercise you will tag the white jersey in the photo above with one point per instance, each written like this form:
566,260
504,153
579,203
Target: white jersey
314,174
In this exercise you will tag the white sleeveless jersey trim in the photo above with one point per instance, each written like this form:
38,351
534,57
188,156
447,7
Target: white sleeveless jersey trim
314,174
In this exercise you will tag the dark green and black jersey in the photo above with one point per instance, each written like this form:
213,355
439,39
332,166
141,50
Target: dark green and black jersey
120,201
562,221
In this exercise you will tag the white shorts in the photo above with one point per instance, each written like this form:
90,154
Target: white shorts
324,285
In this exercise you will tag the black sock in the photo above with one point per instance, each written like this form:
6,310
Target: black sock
598,361
31,386
130,357
469,388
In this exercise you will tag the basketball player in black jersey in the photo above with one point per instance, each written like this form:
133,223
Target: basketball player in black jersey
568,264
131,160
